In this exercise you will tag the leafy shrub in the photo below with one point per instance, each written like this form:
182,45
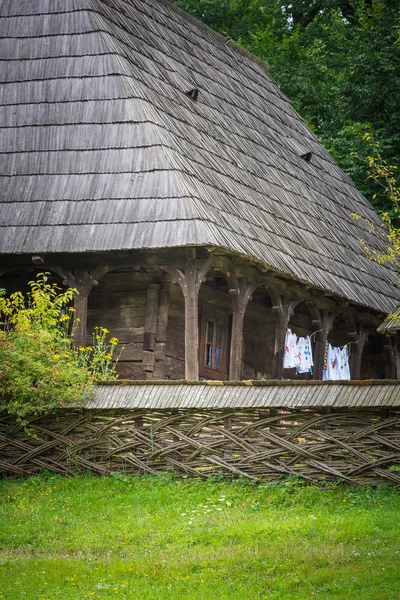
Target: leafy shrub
40,369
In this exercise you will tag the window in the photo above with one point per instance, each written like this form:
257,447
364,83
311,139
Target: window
213,344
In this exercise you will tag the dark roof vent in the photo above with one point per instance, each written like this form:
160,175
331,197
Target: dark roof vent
307,156
185,84
193,93
300,149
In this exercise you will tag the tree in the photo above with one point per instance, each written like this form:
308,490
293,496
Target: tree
385,176
337,60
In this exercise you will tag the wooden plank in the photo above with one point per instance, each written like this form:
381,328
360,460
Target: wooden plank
132,352
130,370
162,320
174,368
148,361
175,348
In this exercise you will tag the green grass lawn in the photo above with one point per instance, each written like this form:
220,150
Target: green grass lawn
123,538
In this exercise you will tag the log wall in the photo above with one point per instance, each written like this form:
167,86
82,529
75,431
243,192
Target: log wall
133,306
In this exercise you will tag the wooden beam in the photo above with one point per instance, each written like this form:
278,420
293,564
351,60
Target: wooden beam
323,321
397,356
161,333
241,291
357,347
190,281
284,308
391,363
83,282
150,328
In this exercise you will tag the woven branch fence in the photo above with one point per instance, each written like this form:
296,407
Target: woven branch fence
357,446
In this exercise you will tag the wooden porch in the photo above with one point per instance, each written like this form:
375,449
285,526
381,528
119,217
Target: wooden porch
202,313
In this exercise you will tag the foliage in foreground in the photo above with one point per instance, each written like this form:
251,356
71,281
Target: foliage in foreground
155,538
39,368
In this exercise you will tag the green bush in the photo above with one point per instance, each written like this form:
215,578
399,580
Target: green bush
40,369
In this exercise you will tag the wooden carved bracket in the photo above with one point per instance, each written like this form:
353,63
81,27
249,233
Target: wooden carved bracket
192,277
82,281
284,307
241,291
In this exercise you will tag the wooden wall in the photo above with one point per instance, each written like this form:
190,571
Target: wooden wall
133,306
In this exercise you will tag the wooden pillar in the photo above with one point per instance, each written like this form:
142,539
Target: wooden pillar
241,291
391,363
323,323
397,356
357,347
150,328
284,308
83,282
161,333
190,280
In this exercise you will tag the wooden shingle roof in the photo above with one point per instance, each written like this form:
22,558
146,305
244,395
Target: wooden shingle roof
392,323
105,148
245,394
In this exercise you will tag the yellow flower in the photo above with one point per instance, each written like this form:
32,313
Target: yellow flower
71,309
56,356
81,349
104,330
65,355
114,341
108,356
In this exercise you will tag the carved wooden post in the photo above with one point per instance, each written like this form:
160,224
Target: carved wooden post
241,292
361,336
397,356
323,321
161,333
190,281
83,282
284,308
392,358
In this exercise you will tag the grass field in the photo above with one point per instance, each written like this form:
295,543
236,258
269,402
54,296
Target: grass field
141,538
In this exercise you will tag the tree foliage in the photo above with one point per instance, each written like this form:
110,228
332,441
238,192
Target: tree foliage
337,60
385,176
39,367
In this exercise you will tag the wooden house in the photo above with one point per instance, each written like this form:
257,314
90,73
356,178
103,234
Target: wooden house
156,167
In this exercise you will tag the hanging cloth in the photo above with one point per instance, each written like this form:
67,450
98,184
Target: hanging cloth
336,363
289,354
344,369
332,371
304,358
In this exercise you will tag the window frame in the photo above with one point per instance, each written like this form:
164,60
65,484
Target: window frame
217,316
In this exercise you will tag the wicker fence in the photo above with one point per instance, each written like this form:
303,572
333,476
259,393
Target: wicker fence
360,445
